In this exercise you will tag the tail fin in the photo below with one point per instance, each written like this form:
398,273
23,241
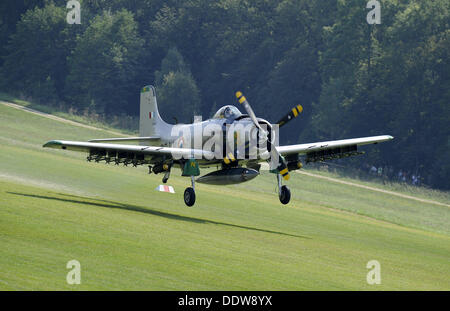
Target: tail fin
150,122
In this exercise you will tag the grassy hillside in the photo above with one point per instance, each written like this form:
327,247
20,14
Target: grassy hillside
127,125
54,207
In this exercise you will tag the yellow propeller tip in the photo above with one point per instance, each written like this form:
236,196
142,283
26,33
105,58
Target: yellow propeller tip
238,94
299,108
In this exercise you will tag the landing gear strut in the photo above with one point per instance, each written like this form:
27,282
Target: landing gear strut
191,169
284,193
189,194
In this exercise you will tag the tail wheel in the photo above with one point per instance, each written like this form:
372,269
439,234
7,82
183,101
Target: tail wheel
189,196
285,195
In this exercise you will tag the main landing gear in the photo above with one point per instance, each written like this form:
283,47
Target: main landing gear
189,194
284,193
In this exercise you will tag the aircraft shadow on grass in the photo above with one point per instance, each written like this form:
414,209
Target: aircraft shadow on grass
134,208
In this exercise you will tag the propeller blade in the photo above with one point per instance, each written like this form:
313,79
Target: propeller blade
291,115
274,154
242,100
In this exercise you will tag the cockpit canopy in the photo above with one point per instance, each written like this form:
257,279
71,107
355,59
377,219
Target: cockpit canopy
227,112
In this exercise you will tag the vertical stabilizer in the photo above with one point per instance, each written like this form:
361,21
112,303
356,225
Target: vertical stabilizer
150,122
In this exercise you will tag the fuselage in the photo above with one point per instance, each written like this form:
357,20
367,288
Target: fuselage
227,131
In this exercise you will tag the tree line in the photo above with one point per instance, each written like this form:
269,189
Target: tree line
353,79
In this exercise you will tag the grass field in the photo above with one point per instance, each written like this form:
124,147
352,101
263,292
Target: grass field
55,207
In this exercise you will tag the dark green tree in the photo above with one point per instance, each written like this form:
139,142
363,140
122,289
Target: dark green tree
105,63
10,14
35,64
178,95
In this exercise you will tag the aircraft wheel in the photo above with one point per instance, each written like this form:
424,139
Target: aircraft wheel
285,195
189,196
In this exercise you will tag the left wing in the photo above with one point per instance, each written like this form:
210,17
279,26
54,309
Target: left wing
328,150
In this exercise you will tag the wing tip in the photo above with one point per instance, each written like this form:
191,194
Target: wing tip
52,144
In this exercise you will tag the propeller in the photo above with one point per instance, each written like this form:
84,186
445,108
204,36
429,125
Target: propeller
291,115
274,154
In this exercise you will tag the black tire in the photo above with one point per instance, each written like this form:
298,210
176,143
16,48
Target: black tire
189,196
285,195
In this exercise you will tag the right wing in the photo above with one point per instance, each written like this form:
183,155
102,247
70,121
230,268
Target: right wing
142,154
150,139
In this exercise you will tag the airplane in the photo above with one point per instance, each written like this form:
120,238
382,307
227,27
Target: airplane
163,146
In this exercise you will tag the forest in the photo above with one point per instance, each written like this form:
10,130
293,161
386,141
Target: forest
352,78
